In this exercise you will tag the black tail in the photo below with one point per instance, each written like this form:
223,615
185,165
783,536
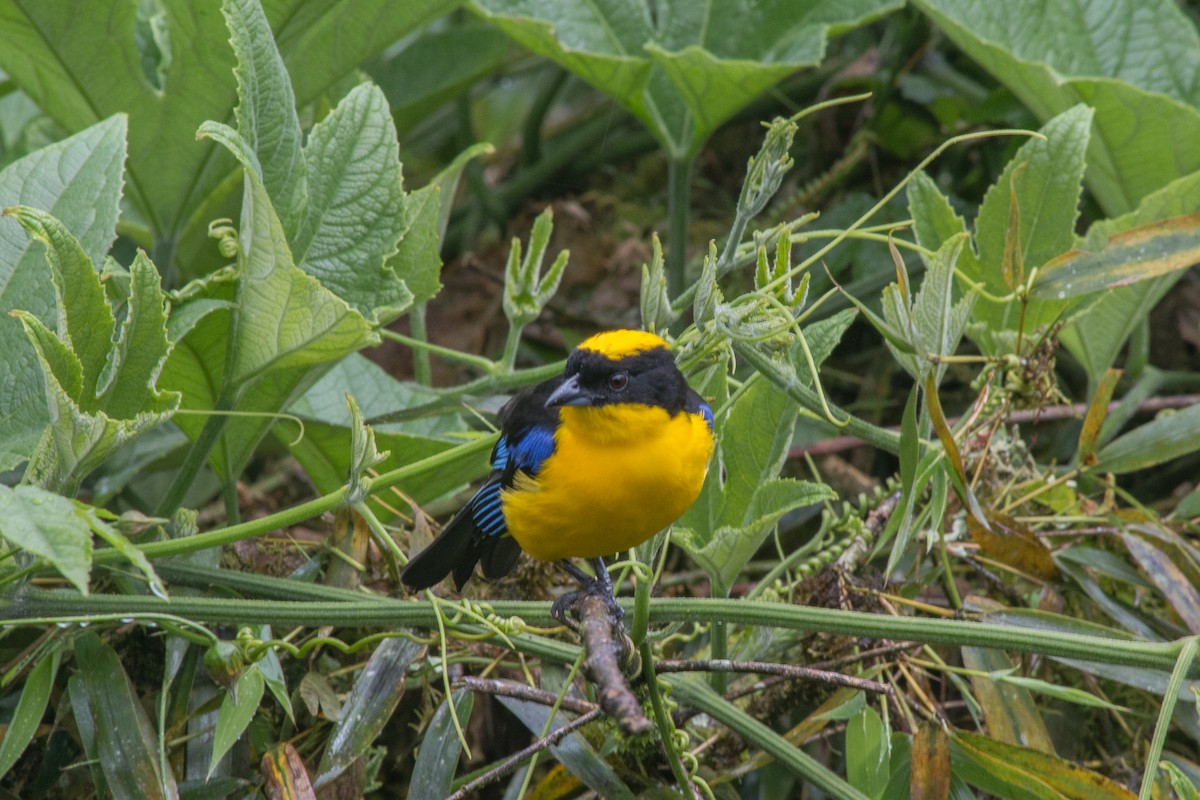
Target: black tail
458,548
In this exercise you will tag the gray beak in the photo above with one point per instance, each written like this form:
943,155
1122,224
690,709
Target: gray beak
569,394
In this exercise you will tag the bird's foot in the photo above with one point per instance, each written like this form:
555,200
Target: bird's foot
569,603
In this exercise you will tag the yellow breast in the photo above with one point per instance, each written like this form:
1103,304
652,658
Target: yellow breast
619,474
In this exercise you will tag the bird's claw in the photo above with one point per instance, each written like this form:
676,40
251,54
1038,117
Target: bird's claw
568,604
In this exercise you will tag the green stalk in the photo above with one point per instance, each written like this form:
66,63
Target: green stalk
662,720
422,371
698,695
810,400
641,611
195,460
384,612
1183,664
718,648
679,191
295,514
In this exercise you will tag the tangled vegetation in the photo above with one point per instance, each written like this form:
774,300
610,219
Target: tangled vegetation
945,315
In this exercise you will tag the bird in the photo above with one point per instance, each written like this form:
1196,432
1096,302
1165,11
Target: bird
589,463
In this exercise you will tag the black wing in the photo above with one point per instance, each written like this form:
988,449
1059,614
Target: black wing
478,533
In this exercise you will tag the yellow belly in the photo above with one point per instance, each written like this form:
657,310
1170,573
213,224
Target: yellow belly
619,474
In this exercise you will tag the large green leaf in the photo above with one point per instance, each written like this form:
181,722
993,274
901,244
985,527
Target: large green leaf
1134,62
339,198
47,525
100,393
1038,194
437,759
743,497
285,330
1097,335
81,62
266,111
324,450
78,180
1169,436
238,708
355,211
370,705
682,68
113,726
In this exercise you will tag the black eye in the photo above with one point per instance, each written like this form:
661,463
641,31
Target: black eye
618,381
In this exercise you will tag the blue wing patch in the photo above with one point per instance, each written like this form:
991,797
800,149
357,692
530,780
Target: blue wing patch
486,509
533,448
706,412
526,454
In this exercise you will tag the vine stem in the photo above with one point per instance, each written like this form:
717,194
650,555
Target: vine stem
1183,664
195,460
295,514
384,612
679,190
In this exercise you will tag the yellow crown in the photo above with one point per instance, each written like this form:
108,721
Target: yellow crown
618,344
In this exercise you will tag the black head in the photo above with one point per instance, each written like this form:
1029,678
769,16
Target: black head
622,367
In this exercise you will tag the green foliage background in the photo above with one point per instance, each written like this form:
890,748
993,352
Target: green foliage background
207,225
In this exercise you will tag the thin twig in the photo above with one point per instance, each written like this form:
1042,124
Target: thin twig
839,444
849,658
512,762
769,668
523,692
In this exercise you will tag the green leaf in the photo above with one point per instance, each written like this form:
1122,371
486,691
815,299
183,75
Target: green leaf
437,759
114,727
272,672
1170,435
1038,195
116,540
822,337
1011,714
85,322
52,52
573,752
1184,788
426,214
356,210
868,752
370,705
934,219
1133,62
935,322
266,110
324,450
141,349
1138,254
100,395
286,320
31,706
285,331
237,710
1068,694
1171,580
47,525
752,453
78,180
1031,773
436,66
1097,334
676,66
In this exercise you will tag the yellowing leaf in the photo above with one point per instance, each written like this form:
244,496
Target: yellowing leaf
1011,543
